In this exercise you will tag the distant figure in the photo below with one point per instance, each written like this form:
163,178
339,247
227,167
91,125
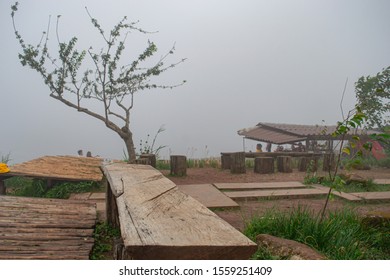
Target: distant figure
279,148
268,148
89,154
259,148
80,153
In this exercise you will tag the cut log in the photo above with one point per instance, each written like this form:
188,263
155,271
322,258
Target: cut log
225,161
308,164
151,159
37,228
237,163
3,189
264,165
329,162
144,161
178,165
284,164
158,221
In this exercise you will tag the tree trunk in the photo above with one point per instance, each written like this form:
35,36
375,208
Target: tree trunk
237,163
264,165
128,139
178,165
284,164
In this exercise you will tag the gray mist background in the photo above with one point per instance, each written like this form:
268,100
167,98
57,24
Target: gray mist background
248,62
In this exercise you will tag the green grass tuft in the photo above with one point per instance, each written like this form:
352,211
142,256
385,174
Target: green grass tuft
340,236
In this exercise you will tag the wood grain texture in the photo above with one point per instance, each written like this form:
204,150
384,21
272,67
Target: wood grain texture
60,168
158,221
36,228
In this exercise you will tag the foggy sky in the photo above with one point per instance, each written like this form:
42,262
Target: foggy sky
247,62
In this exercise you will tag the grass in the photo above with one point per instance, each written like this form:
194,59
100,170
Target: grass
340,236
104,236
20,186
191,163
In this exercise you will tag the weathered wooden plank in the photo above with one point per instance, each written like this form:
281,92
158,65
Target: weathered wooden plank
208,195
60,168
39,237
59,231
49,254
265,185
158,221
373,195
275,193
34,228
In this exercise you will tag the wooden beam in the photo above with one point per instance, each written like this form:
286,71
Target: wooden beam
158,221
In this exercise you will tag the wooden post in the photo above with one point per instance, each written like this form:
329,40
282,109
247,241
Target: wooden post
284,164
306,163
144,161
237,163
3,189
225,161
329,162
303,164
179,165
264,165
151,158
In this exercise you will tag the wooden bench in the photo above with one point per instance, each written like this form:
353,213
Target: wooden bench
158,221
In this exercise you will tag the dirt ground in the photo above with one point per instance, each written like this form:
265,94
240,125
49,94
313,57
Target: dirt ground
248,209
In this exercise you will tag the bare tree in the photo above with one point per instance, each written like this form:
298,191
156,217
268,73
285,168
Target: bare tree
112,84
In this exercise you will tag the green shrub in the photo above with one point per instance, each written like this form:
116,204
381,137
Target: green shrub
63,190
38,188
34,188
104,236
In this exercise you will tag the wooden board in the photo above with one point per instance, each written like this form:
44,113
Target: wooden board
60,168
382,181
208,195
36,228
373,195
158,221
347,196
275,193
251,186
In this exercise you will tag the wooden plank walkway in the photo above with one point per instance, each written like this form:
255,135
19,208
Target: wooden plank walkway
382,181
373,196
252,186
344,195
287,193
208,195
158,221
37,228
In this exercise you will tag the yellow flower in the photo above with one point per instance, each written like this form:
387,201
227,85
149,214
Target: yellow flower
4,168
